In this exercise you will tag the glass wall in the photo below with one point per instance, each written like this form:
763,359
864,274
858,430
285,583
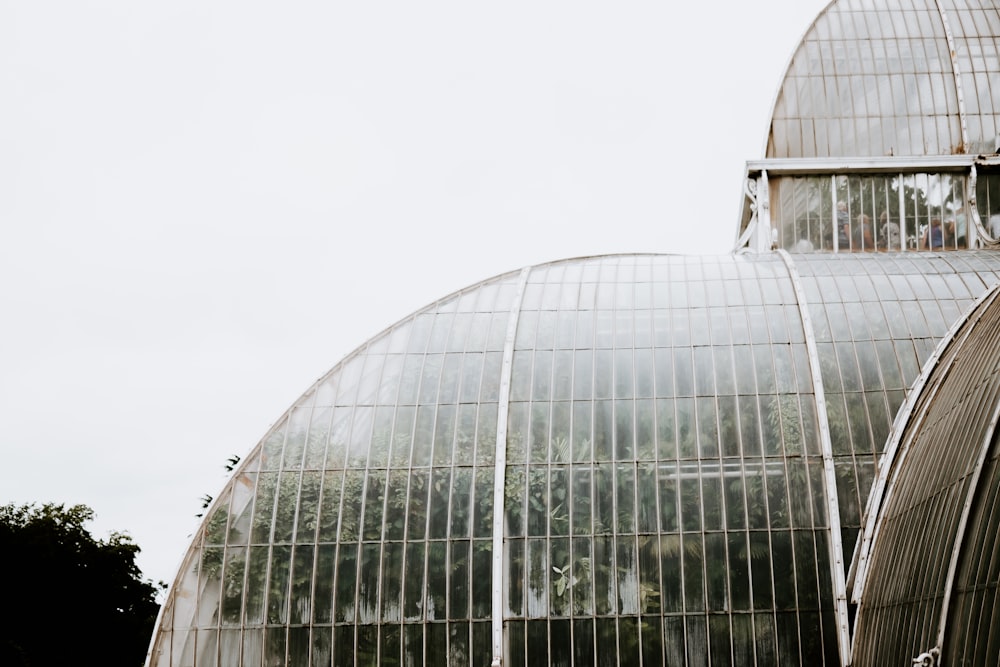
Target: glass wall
871,212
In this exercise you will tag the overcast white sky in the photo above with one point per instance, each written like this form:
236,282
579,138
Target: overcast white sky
205,205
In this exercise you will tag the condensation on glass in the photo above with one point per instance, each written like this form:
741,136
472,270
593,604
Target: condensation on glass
664,494
932,580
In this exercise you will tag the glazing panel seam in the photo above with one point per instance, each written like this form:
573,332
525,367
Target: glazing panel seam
500,469
832,499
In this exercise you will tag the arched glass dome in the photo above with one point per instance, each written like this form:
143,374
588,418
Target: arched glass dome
928,574
879,78
681,447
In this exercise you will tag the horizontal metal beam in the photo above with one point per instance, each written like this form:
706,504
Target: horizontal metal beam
856,165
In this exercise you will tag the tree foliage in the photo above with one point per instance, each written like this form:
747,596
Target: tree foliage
67,595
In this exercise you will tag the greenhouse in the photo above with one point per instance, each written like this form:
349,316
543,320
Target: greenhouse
665,460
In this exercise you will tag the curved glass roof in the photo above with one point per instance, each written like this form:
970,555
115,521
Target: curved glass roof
919,595
651,426
877,78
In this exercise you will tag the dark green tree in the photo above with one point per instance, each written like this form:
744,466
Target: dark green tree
68,597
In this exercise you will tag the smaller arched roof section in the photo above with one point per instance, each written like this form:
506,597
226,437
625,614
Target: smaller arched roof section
877,78
928,579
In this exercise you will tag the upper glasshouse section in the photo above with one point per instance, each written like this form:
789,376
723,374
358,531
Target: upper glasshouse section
885,133
877,78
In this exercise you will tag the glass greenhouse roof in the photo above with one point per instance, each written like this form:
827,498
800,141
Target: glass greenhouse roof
668,483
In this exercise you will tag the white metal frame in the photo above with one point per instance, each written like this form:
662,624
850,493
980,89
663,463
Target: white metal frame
500,470
826,445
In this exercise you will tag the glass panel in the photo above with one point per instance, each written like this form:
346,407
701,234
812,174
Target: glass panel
301,585
255,587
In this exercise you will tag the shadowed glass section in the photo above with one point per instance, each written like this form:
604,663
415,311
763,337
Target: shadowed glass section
875,78
946,435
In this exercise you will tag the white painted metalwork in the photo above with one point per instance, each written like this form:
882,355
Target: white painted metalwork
835,222
764,230
758,235
832,497
500,470
750,190
957,73
861,165
902,228
927,658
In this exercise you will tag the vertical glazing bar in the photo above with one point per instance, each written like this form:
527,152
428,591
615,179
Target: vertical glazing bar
500,470
748,238
957,72
902,215
832,499
768,238
835,219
